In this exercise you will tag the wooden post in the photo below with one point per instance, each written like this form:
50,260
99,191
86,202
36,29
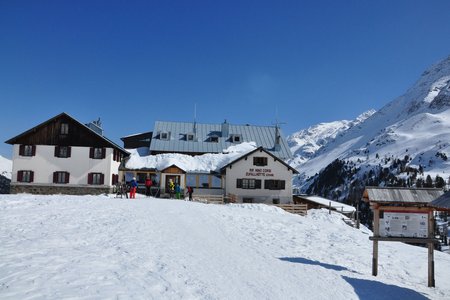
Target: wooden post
376,233
431,282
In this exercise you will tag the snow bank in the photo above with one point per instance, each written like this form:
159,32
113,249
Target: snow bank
95,247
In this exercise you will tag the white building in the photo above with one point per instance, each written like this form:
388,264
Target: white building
64,156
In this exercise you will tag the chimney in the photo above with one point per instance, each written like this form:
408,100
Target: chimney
225,129
277,146
96,126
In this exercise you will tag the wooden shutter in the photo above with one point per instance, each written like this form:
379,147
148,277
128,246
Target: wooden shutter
102,179
69,151
67,177
19,176
239,183
283,184
31,176
103,153
55,177
21,150
267,184
33,150
257,183
56,151
91,152
90,178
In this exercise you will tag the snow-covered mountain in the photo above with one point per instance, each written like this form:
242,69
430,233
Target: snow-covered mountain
305,143
5,167
410,136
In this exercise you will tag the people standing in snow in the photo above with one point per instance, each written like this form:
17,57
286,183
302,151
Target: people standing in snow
190,190
148,185
133,187
171,188
177,191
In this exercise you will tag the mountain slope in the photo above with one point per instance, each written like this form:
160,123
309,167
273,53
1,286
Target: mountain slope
413,128
5,174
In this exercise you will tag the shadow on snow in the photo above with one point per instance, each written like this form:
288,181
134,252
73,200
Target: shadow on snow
369,289
301,260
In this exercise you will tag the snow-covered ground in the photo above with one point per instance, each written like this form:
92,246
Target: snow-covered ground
99,247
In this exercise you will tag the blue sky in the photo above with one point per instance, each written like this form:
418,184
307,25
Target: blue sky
134,62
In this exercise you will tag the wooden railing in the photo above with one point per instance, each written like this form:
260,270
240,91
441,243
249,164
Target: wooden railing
214,199
298,209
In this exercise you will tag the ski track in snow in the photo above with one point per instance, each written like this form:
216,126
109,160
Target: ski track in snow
98,247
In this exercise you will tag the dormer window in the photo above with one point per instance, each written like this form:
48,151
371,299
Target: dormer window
214,139
190,137
164,135
236,138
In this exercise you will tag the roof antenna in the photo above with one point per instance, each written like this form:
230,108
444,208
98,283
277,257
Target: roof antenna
195,118
277,124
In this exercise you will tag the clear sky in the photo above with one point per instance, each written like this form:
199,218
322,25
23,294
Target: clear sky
134,62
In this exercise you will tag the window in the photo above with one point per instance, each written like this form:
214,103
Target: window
191,180
236,138
61,177
190,137
114,179
27,150
216,181
62,151
260,161
203,181
274,184
214,139
96,178
25,176
97,153
164,135
64,129
245,183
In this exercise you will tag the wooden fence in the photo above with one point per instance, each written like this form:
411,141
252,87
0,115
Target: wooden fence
298,209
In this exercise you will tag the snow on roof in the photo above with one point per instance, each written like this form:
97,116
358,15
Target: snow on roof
339,206
201,163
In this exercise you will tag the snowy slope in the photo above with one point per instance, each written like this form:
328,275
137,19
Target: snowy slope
416,124
5,167
305,143
95,247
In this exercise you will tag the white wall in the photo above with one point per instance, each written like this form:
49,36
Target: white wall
44,163
274,170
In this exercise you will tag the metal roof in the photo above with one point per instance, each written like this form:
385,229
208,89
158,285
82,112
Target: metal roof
339,206
401,195
263,136
443,202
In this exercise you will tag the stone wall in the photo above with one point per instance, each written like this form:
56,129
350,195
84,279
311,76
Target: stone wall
58,189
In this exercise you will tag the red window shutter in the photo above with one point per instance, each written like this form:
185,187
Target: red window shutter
67,177
56,151
33,150
55,177
31,176
19,176
69,151
103,153
21,150
91,152
90,178
102,178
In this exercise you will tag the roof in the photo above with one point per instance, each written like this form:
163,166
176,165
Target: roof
264,136
338,206
262,150
442,202
13,140
401,195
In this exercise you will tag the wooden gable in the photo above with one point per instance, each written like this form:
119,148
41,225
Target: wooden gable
62,130
173,169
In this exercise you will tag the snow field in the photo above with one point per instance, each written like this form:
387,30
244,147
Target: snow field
98,247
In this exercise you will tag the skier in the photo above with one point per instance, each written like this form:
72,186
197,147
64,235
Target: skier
190,190
178,191
171,188
148,185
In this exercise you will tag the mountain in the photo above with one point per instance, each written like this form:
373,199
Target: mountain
402,144
5,174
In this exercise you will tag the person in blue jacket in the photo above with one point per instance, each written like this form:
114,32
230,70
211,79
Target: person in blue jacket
133,187
178,191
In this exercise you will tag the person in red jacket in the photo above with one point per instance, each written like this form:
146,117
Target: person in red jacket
148,185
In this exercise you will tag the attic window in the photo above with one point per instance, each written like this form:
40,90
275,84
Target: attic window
189,137
214,139
259,161
164,135
236,138
64,128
